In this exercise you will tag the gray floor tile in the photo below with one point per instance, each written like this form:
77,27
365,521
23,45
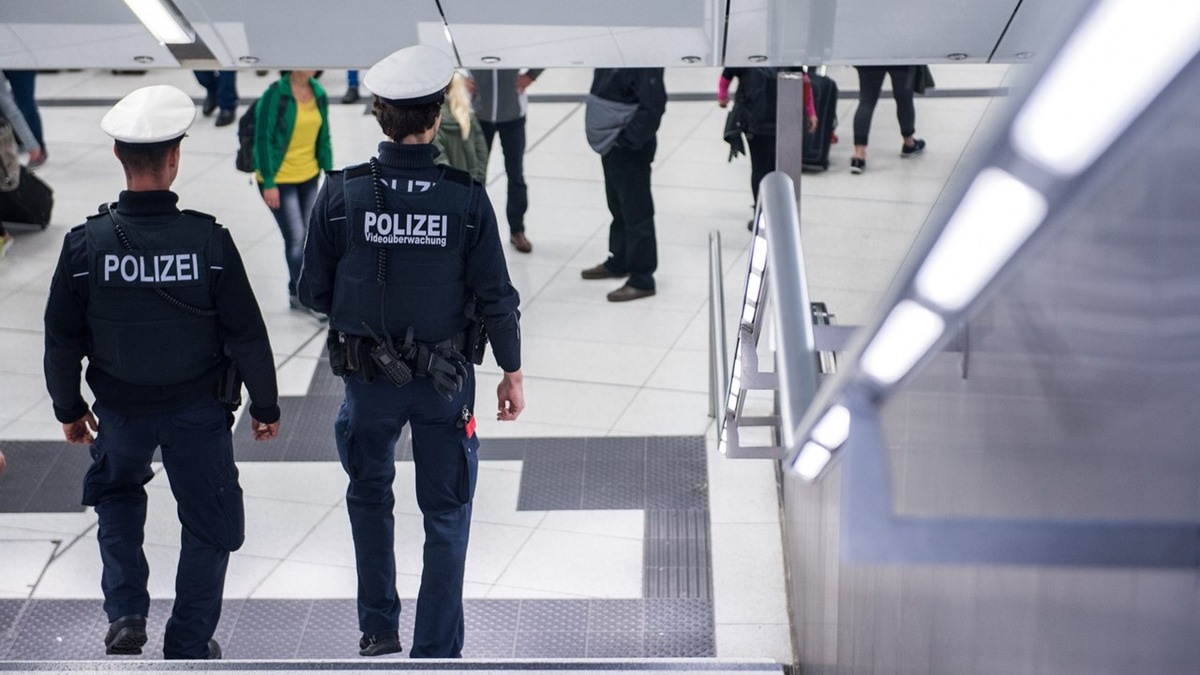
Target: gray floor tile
679,615
551,645
661,447
550,495
555,449
489,645
273,615
553,615
491,615
680,645
333,615
611,495
615,645
616,616
502,448
262,644
330,644
616,449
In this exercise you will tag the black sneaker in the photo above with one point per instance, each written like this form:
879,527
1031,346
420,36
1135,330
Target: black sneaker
914,149
351,95
857,165
379,644
225,117
126,635
214,650
210,104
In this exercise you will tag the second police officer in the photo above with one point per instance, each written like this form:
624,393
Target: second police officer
405,257
158,302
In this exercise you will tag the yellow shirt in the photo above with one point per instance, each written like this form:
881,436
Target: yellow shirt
300,161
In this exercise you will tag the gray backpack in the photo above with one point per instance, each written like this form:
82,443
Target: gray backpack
10,162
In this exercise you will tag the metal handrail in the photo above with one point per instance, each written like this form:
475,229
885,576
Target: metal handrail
718,352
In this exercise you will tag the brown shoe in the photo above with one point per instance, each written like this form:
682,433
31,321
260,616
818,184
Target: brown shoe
518,240
601,271
627,292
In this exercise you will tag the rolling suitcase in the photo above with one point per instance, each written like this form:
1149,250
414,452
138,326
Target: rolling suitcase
30,203
816,144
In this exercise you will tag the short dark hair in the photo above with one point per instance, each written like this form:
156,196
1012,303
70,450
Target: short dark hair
142,160
400,121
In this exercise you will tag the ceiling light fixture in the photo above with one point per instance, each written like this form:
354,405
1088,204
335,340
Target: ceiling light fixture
1072,116
163,20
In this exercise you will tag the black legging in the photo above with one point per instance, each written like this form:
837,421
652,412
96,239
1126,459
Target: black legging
870,83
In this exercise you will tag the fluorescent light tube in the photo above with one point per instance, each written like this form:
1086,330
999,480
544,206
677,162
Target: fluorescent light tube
995,217
833,429
161,22
1119,58
811,461
905,336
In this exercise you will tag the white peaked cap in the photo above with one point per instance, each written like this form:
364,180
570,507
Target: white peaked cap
411,76
156,114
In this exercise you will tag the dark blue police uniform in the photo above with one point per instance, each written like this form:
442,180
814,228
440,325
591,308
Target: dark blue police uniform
154,368
401,267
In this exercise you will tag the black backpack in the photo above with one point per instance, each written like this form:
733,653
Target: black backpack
244,160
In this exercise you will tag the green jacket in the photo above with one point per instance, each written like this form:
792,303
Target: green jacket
470,155
271,138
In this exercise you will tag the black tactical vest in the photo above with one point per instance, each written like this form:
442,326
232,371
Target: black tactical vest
405,263
137,335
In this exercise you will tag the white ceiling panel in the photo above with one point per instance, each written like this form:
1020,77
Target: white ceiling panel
564,33
1038,23
74,33
312,33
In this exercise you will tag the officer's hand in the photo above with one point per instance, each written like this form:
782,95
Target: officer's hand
81,430
271,197
511,397
264,431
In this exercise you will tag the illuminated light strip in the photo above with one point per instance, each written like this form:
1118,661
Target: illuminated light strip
994,219
905,336
161,21
811,460
1075,112
833,429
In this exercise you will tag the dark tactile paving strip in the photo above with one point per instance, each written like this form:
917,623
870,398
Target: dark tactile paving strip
43,477
677,554
326,629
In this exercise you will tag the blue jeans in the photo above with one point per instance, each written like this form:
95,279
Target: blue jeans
224,83
367,428
197,453
295,207
23,83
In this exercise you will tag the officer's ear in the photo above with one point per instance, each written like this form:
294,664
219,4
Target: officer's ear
173,157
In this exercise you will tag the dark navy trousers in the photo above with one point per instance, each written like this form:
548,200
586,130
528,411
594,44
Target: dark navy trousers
197,453
367,428
632,245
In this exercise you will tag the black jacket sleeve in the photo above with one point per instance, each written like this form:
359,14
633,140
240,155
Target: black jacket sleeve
651,97
66,333
487,277
244,333
315,287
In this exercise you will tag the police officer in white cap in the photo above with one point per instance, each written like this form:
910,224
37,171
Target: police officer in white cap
158,302
405,257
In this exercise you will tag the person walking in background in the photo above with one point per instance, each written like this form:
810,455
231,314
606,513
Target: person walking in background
221,88
24,84
459,137
624,109
870,83
290,152
27,140
158,343
755,104
501,104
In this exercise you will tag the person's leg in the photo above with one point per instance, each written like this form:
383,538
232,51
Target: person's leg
290,218
226,83
613,166
366,431
902,91
352,78
762,159
197,453
446,466
637,212
24,84
489,133
512,141
870,83
115,486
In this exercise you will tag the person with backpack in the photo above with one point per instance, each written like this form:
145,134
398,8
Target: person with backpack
754,103
291,151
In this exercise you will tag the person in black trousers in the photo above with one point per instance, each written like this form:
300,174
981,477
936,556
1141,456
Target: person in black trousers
870,83
632,247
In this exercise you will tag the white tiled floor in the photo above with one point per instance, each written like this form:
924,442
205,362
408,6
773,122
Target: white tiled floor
592,367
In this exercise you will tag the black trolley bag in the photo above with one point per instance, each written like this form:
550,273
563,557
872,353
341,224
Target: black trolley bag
30,203
816,144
